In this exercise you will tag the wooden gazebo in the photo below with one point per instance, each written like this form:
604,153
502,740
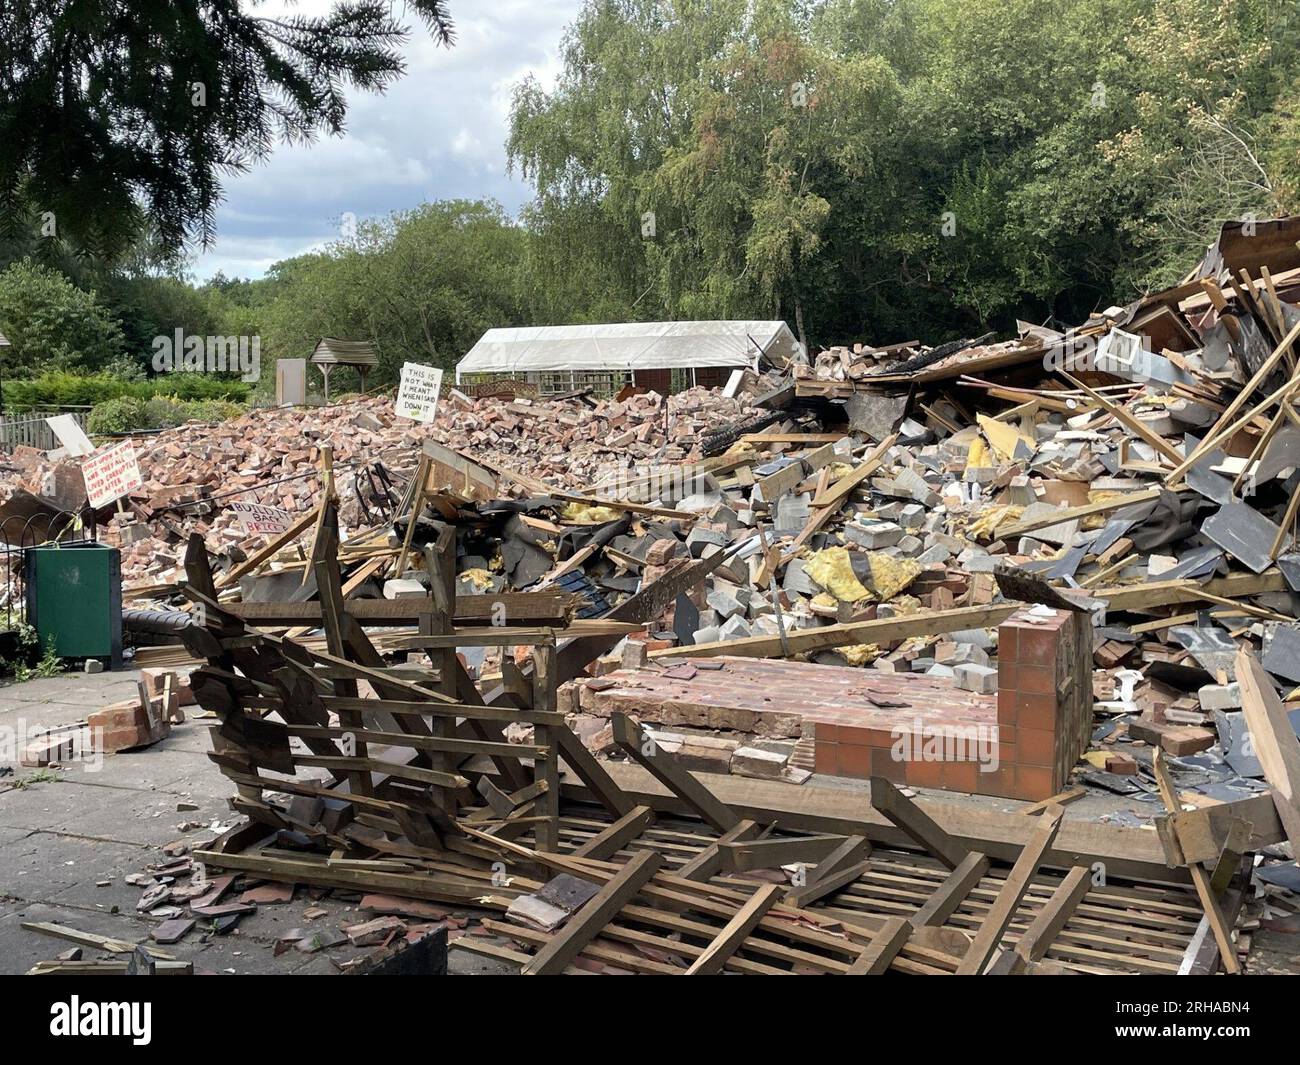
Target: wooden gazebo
331,352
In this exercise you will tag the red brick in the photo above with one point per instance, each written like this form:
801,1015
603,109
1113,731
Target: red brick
1035,711
1036,680
1002,782
1036,747
856,762
852,735
1034,783
1008,674
961,776
925,774
884,764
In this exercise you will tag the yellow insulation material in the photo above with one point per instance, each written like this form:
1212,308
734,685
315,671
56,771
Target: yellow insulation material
479,578
585,514
1003,437
990,519
890,575
832,569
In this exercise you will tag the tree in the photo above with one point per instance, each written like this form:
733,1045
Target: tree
114,113
422,285
890,169
51,324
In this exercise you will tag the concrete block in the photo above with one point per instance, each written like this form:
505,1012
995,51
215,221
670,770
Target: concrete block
975,678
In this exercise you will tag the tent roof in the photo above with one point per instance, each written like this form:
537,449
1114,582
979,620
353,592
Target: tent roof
345,352
627,346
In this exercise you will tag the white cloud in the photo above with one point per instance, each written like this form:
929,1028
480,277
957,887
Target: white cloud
439,133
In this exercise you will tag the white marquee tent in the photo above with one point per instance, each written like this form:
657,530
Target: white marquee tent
627,347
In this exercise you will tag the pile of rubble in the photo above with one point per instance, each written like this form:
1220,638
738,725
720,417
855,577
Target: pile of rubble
1030,569
273,457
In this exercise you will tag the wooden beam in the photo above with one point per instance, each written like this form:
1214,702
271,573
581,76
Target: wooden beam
880,630
1037,939
1200,875
546,770
606,844
840,867
1126,419
518,607
709,861
826,885
742,856
904,813
269,550
1008,899
1274,740
600,909
736,931
945,900
1126,852
879,954
591,772
632,738
1064,514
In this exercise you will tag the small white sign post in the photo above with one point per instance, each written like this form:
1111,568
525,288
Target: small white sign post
417,397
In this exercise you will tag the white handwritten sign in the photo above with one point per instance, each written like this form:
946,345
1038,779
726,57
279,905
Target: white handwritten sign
256,519
417,397
110,473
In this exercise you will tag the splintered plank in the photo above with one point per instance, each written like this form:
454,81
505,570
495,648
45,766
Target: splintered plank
1037,939
1275,742
1013,890
905,814
729,940
618,835
585,925
879,954
632,738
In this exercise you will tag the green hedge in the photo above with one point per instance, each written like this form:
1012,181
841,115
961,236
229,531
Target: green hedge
61,389
129,414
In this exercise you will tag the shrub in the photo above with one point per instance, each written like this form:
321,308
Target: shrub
62,389
164,412
118,416
212,410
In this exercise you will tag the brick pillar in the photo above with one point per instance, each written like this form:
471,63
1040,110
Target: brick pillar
1044,700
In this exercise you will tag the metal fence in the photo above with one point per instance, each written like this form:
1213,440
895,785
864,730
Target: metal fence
31,430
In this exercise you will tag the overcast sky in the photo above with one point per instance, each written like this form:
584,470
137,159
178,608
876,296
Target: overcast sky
439,133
